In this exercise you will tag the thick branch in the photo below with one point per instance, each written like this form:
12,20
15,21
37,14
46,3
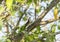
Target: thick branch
36,23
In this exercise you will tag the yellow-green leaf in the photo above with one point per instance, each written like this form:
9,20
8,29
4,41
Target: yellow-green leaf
13,12
53,28
1,9
55,13
59,26
29,2
9,4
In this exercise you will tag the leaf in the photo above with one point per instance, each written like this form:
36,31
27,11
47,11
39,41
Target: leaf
22,28
35,2
8,40
1,9
9,4
35,36
54,28
28,37
25,18
49,37
38,29
59,26
29,2
55,13
38,9
13,12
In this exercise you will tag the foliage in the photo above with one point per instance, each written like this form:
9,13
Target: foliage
17,15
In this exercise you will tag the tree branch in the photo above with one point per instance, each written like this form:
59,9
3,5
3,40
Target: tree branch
20,18
48,21
38,20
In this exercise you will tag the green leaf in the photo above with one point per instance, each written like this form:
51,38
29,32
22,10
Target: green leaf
29,2
13,12
8,40
31,37
35,2
53,29
38,30
35,36
49,37
22,28
59,26
25,18
38,9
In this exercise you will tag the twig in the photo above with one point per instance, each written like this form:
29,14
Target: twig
21,16
35,13
48,21
15,28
